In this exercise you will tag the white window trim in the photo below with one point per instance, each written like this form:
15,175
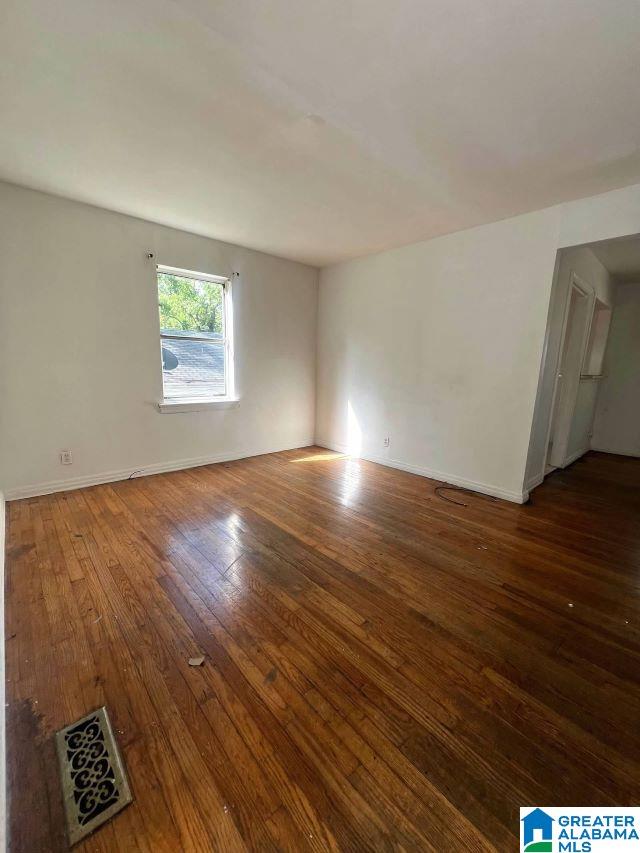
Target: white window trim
175,405
199,276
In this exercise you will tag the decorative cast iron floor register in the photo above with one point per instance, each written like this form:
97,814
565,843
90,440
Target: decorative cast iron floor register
94,781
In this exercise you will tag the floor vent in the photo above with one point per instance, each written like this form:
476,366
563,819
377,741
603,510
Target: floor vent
94,781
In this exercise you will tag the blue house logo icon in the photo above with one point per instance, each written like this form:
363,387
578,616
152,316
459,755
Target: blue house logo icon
537,832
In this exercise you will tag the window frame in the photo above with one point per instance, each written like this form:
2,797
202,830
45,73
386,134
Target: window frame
187,404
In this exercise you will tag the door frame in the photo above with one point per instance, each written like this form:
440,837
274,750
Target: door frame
588,291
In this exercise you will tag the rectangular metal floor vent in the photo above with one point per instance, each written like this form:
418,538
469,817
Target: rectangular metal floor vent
94,781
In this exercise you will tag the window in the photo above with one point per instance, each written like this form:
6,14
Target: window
195,333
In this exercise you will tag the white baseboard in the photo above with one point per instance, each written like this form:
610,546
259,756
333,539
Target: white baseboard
533,482
52,486
484,488
635,454
575,456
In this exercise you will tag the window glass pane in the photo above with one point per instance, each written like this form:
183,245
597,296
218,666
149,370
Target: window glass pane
192,368
190,305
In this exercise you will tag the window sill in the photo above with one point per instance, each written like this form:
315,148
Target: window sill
174,407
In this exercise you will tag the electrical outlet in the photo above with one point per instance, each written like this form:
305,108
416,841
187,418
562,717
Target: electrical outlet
66,457
387,441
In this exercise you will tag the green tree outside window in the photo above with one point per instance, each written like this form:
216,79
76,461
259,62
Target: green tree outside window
190,305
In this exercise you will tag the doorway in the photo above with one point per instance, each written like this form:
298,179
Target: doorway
574,338
590,373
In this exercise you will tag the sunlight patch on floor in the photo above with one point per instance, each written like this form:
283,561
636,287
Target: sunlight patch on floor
321,457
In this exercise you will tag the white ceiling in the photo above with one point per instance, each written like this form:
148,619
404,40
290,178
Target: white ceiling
621,257
320,130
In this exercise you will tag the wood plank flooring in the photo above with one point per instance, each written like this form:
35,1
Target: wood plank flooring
384,670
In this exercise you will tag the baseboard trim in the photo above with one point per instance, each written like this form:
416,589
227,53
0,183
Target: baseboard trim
534,482
575,456
630,453
52,486
483,488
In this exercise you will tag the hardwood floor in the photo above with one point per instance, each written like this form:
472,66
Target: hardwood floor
383,669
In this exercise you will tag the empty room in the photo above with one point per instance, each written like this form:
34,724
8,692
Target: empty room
320,425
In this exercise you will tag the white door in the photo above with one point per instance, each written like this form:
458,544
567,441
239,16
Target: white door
568,378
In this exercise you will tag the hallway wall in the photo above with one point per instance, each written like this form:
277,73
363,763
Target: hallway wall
617,423
597,278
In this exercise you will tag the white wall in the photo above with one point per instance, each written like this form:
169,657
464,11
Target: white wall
3,716
79,346
441,345
438,345
617,423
